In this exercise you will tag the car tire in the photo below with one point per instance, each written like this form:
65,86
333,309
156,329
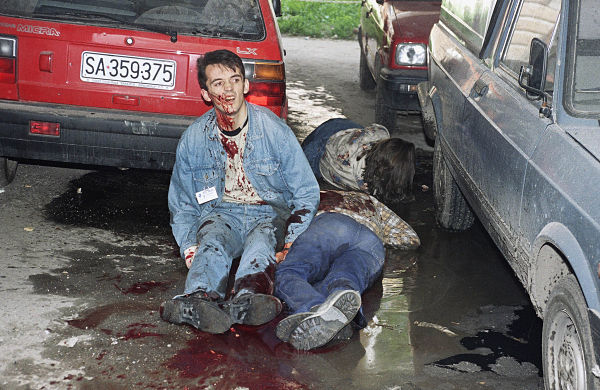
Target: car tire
384,115
451,208
8,171
365,78
567,351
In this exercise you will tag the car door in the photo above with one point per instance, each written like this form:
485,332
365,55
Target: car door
454,44
502,125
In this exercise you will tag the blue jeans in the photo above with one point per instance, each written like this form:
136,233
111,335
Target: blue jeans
230,231
334,253
314,145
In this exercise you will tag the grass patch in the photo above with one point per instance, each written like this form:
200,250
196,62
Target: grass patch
319,20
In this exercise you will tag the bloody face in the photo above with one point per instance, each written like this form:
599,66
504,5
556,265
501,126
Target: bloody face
226,89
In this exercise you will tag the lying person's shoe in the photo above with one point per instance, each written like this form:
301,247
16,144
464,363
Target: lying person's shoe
199,311
345,334
254,309
323,325
286,326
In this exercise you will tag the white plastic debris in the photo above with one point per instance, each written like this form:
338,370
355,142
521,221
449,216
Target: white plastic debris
441,328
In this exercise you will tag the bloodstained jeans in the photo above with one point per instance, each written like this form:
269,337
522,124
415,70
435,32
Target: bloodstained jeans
334,253
229,231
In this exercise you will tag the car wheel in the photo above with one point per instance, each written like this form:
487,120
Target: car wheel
384,115
365,78
451,208
567,349
8,170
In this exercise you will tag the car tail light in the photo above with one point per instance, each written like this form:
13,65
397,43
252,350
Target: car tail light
269,71
44,128
267,83
8,54
266,94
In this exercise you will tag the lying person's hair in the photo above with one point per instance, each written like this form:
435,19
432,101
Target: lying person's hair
390,169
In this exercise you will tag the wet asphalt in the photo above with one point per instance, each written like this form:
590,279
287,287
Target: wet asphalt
87,256
450,315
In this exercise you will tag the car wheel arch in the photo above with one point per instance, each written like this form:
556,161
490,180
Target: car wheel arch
557,254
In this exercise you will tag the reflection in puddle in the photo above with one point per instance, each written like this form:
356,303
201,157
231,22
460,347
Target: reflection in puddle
386,340
369,340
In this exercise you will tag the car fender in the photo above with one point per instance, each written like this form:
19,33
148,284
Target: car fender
566,245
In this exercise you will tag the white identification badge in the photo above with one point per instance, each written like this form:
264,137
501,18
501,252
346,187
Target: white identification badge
206,195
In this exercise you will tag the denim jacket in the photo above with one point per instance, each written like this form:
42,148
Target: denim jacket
273,161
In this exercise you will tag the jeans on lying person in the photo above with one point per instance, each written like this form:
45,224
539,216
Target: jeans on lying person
314,144
334,253
230,231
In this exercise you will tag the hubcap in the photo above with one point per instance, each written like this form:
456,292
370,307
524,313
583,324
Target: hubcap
567,362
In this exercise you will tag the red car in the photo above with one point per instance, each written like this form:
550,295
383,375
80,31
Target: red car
393,37
113,83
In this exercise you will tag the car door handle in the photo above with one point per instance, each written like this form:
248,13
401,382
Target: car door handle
479,89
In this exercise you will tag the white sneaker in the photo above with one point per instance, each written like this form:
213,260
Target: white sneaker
337,311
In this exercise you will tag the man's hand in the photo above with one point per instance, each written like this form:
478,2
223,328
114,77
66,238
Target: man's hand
189,255
280,256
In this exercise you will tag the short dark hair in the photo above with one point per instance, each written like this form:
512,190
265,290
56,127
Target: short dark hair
390,170
222,57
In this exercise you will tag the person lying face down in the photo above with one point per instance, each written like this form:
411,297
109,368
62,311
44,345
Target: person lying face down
332,263
351,157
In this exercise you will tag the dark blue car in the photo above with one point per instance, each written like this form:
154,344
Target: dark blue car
513,102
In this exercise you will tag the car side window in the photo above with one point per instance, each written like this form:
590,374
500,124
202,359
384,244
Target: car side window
536,19
468,19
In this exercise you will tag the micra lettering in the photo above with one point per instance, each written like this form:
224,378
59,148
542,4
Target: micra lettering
38,30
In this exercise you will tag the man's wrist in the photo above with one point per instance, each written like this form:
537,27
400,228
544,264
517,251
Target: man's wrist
280,256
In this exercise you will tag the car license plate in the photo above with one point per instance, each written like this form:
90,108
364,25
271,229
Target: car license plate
128,70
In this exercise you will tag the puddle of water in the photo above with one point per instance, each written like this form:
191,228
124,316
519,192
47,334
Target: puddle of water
129,201
522,342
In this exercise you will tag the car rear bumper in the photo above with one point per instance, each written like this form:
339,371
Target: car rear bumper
91,136
400,88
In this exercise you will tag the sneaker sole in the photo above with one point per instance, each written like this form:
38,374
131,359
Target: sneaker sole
318,329
203,315
286,326
255,309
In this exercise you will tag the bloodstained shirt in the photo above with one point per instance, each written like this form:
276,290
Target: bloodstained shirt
238,188
343,163
365,209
